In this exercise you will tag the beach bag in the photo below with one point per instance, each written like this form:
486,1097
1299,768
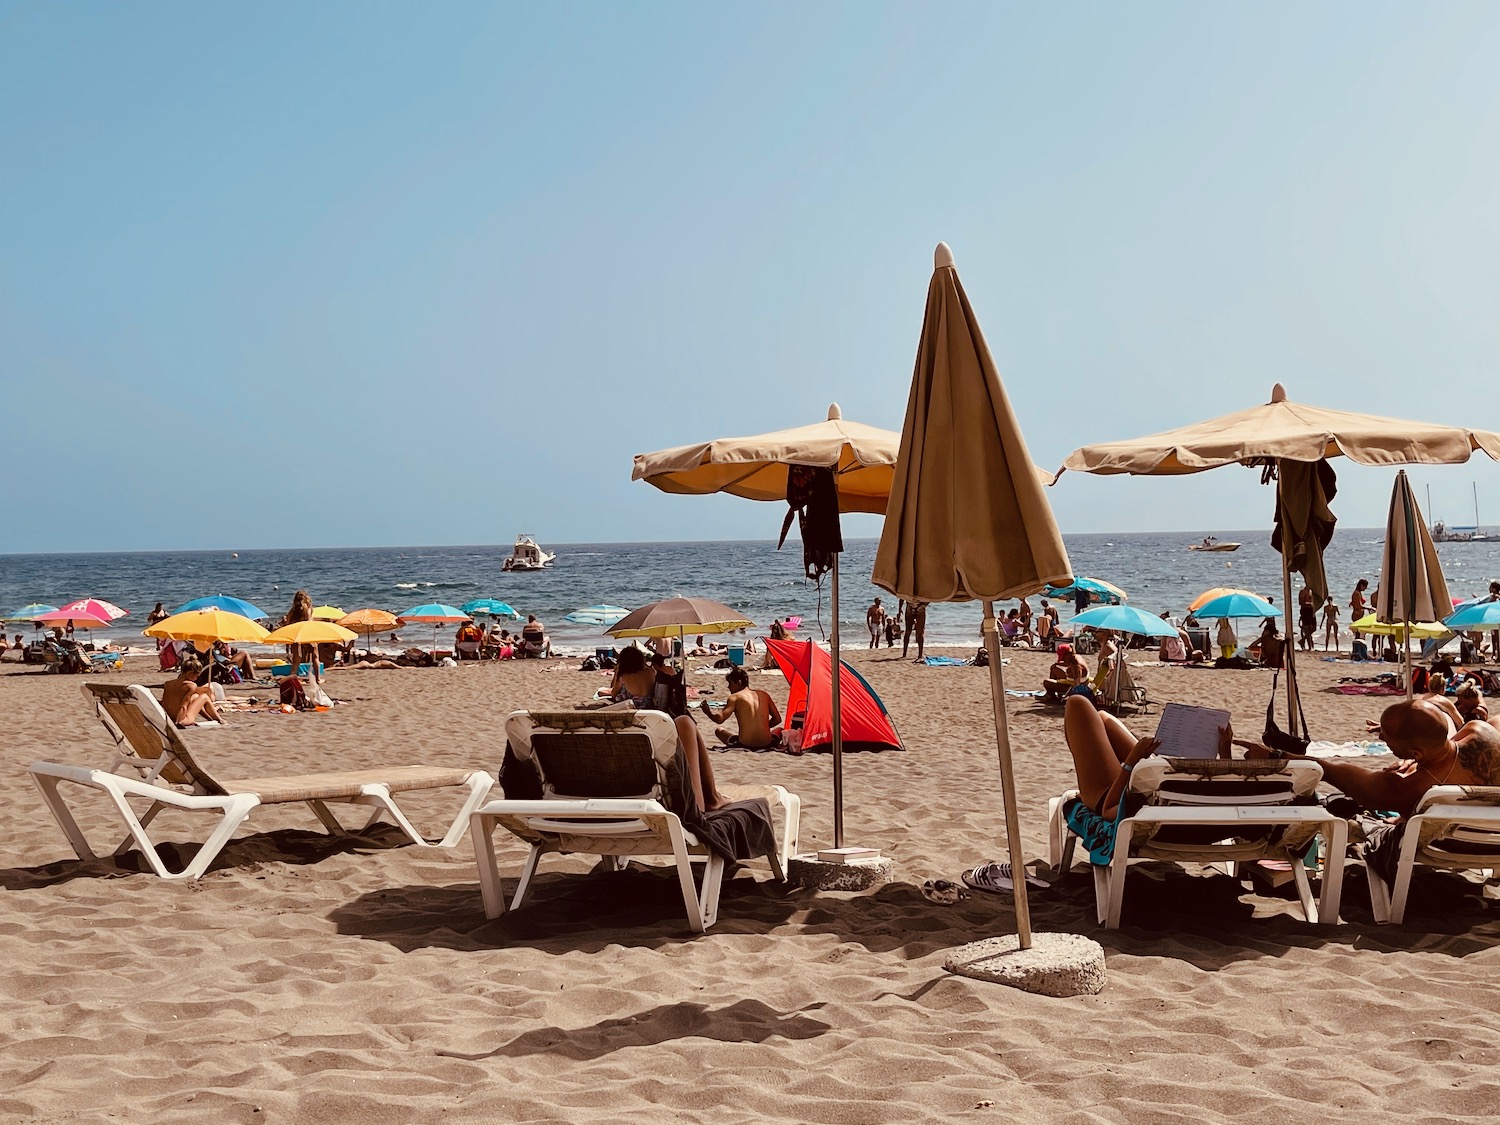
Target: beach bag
1097,832
1276,738
292,693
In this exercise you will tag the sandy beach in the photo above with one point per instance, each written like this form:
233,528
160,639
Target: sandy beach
311,980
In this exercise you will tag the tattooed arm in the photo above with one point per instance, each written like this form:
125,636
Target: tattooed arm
1479,752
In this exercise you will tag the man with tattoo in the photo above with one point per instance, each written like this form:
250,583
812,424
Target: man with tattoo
1429,752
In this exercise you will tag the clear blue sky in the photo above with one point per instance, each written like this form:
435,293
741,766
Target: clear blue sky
390,273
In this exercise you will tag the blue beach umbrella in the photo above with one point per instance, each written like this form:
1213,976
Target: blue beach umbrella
602,615
1475,615
1236,605
1125,619
489,607
1099,591
226,603
29,612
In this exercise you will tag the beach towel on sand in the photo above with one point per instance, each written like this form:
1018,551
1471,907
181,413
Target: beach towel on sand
944,662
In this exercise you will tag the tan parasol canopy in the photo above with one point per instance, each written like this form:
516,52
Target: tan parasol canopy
1284,430
862,458
968,517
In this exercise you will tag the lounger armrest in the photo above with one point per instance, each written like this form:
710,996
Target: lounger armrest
598,807
1241,814
130,787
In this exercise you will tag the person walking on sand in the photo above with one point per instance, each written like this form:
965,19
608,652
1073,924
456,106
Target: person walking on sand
875,619
916,627
1330,624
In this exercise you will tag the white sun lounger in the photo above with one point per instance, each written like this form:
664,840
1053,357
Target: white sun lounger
1249,800
166,774
1455,827
603,777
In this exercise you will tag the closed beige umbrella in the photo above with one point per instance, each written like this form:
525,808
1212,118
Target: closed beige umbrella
967,516
1290,435
1412,586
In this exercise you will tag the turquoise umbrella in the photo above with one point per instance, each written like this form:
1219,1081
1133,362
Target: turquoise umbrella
489,607
1097,589
1124,619
227,603
30,612
601,615
1236,605
435,614
1475,615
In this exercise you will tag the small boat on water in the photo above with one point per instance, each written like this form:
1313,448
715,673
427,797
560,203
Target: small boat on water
1211,544
526,555
1445,533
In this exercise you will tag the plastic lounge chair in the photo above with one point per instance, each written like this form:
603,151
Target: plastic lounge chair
603,776
1455,827
1251,800
167,775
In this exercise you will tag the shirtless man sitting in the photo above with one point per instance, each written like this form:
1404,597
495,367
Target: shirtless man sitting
185,701
754,711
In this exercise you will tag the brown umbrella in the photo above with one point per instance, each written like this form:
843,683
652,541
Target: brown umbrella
672,617
1412,586
1284,433
861,459
967,516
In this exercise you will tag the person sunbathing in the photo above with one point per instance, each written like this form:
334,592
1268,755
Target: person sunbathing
185,701
633,681
755,714
1066,673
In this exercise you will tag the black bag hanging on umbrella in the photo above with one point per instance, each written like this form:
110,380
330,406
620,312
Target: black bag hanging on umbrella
1278,739
812,496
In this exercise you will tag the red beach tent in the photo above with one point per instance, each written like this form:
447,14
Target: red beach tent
808,669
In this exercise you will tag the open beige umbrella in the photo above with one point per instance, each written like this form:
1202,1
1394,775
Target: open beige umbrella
967,516
1292,436
861,459
1412,586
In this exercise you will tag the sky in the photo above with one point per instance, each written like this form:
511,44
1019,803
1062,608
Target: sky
366,274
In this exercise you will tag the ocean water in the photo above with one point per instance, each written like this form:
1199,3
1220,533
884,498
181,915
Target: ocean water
1156,569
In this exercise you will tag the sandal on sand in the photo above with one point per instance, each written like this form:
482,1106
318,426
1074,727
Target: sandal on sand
996,878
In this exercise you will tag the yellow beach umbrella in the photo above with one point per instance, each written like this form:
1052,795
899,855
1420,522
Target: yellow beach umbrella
1420,630
311,633
204,626
327,613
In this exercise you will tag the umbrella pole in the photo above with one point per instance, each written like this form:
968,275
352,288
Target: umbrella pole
1287,650
1406,647
1007,776
838,718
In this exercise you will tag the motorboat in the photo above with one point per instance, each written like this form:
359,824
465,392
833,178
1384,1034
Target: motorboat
1211,544
526,555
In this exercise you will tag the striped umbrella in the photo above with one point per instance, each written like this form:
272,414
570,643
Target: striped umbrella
1412,586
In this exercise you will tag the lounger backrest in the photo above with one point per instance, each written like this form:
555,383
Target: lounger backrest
595,754
1445,799
1212,781
143,735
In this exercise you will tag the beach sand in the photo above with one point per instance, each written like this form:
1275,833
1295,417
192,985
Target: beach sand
309,980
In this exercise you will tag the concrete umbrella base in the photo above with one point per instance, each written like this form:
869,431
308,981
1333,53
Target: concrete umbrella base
1055,965
857,875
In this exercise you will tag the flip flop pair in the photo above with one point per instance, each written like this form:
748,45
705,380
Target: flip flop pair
996,879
